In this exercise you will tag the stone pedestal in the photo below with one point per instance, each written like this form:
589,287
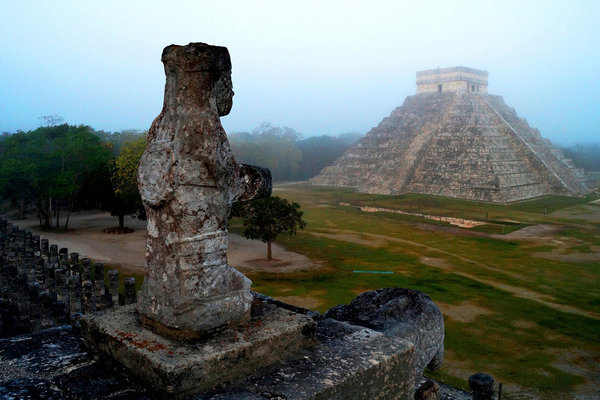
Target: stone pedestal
179,369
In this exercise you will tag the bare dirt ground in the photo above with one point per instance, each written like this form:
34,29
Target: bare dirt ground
85,237
540,231
463,312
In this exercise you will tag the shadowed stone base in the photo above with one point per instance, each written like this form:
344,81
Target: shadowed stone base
351,362
184,368
188,334
52,364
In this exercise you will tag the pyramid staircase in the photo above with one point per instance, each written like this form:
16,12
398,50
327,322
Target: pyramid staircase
456,144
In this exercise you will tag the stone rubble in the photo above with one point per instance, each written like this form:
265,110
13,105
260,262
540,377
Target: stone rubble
397,312
54,364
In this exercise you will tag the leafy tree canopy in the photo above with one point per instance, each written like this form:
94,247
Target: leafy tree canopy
48,166
127,200
265,219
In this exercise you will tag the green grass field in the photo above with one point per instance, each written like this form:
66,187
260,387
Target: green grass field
521,306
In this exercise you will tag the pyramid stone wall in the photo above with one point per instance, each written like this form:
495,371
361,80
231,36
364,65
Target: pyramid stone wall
456,144
452,79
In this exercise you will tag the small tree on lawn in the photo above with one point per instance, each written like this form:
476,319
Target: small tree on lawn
265,219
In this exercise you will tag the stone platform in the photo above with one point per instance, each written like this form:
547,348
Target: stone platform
351,362
52,364
180,369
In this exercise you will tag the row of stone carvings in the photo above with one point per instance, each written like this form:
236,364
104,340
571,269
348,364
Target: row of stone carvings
42,286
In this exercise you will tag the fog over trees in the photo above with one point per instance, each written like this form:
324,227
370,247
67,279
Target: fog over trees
584,155
56,169
288,155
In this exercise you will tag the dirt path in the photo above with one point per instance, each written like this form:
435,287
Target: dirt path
85,237
353,237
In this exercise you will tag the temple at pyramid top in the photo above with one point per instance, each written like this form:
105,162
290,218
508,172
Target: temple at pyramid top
453,79
454,139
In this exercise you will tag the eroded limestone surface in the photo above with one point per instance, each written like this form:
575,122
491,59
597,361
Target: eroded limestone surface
179,369
188,180
397,312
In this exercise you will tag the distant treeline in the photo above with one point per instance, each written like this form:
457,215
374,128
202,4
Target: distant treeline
56,169
584,155
289,156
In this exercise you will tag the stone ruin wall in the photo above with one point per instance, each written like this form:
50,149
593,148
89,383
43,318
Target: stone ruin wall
452,79
383,161
474,156
42,286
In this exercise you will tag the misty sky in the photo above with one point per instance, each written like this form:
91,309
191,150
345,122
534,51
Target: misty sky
320,67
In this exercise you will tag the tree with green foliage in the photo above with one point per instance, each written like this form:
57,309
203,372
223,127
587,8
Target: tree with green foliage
48,167
127,199
16,180
79,154
265,219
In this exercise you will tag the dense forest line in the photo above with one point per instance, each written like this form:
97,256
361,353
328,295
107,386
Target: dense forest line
53,170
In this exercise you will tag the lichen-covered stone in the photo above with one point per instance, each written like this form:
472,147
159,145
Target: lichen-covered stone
399,312
52,364
351,362
188,180
179,369
429,390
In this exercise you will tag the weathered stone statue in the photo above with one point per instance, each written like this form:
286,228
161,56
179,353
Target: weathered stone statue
188,180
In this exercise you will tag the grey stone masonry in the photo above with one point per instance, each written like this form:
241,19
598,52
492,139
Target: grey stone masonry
404,313
42,286
178,369
53,364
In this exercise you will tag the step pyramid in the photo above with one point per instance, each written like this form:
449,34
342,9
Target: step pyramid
453,139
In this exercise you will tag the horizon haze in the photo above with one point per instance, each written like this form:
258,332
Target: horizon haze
317,67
